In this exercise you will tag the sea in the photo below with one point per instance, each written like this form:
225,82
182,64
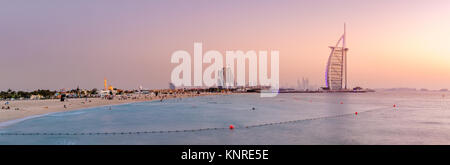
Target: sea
377,118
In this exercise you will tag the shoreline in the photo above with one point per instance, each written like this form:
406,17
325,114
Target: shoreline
29,109
13,121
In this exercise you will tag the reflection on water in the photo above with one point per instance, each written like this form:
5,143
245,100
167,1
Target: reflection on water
418,118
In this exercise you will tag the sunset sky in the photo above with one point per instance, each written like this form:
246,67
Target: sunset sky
61,44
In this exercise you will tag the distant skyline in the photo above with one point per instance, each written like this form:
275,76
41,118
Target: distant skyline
54,44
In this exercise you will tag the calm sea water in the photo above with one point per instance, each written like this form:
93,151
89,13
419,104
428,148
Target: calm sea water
320,118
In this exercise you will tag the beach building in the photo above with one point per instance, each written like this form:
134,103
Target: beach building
336,70
36,97
108,89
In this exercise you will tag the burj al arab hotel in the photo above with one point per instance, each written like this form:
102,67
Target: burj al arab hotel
336,71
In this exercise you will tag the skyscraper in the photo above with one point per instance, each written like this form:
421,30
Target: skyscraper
225,78
336,71
305,82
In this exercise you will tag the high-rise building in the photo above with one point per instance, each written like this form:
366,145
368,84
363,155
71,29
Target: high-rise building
305,83
225,78
336,71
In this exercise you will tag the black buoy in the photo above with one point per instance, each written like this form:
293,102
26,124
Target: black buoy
253,108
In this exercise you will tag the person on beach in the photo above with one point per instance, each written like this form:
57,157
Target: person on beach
63,97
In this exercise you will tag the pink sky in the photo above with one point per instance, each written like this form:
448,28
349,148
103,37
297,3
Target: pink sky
61,44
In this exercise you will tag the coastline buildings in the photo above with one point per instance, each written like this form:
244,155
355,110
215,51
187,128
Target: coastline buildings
336,70
303,85
108,90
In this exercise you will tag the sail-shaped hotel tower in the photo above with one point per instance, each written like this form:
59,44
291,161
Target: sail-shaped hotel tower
336,71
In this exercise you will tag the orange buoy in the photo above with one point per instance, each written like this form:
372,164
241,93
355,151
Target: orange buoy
231,126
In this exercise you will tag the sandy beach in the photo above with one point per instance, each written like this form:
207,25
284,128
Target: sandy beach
25,108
